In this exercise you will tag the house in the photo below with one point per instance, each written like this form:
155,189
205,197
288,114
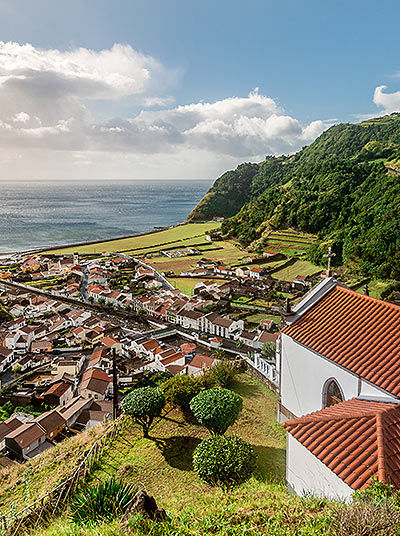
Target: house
189,319
58,394
8,426
337,450
73,409
199,364
224,327
256,273
301,282
52,422
95,384
96,413
42,345
338,359
71,366
27,441
111,344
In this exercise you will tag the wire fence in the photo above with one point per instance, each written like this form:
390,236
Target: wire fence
47,505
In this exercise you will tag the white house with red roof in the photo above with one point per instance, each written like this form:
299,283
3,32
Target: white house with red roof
338,360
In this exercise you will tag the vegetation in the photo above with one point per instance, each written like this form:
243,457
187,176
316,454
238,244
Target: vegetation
224,461
179,390
222,374
143,405
216,409
106,501
338,189
173,236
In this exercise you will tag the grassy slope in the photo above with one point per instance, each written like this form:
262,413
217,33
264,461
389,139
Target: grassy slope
162,465
181,232
298,268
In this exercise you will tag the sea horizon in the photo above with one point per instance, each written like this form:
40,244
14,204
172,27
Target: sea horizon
37,214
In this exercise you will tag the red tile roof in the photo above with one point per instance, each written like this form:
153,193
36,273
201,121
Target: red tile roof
356,439
358,332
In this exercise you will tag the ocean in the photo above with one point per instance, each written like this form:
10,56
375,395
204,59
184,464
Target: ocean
41,214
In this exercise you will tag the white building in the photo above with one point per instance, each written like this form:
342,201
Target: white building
338,345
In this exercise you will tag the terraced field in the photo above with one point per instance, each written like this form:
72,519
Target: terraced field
289,242
300,267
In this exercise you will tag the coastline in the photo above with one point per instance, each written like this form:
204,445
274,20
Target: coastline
7,255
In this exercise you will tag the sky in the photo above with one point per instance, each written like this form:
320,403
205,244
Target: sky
169,89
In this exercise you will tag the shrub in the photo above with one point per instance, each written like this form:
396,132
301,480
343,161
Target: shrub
179,390
224,461
105,501
143,404
216,409
365,519
222,374
376,492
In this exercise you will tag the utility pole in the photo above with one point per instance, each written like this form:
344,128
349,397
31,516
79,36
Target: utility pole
115,385
329,256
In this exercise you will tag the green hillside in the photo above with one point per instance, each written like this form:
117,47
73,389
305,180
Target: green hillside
337,188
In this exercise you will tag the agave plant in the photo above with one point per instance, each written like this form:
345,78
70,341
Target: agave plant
105,501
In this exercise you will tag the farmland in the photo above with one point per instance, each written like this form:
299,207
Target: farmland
289,242
187,284
300,267
178,236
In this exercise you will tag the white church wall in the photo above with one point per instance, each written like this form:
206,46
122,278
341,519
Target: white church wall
306,474
303,376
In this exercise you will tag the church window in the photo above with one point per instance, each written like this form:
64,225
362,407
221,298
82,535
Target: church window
332,393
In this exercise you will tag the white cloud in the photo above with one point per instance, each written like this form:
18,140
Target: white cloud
46,111
390,102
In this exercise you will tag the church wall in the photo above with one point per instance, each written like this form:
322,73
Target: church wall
306,474
303,376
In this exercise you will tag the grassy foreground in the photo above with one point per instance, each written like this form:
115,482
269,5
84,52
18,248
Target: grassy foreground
162,465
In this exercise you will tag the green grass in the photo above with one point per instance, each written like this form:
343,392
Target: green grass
298,268
162,465
376,287
178,233
186,284
256,318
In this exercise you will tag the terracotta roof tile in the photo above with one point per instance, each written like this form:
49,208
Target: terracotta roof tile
356,439
355,331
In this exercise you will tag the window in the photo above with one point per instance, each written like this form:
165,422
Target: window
332,393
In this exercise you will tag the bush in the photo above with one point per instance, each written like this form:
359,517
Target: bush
103,502
179,390
376,493
365,519
224,461
222,374
143,404
216,409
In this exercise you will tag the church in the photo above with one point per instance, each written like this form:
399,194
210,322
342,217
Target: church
339,382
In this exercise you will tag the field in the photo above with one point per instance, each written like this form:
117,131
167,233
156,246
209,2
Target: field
375,287
228,253
298,268
176,236
162,465
186,284
255,319
289,242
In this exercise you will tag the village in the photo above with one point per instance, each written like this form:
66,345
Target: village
76,329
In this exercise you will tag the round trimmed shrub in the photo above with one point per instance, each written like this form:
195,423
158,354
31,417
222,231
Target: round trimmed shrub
224,461
216,409
143,404
179,390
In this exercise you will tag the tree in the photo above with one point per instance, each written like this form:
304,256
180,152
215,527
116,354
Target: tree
91,299
239,344
216,409
224,461
17,369
179,390
219,353
143,405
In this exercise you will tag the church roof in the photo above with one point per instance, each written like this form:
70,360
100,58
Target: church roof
358,332
356,439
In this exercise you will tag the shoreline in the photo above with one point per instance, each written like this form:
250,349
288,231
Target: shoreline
6,255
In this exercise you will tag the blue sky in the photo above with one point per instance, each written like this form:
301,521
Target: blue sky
318,62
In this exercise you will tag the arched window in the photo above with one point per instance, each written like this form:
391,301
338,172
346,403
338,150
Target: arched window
332,393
